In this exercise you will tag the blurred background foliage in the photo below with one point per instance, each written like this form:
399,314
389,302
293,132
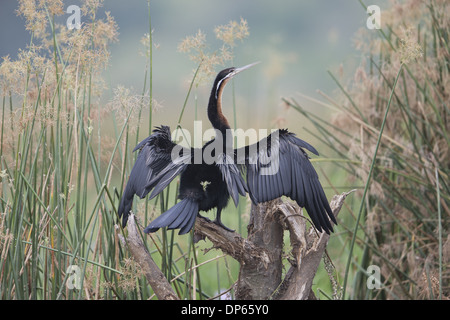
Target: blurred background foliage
297,42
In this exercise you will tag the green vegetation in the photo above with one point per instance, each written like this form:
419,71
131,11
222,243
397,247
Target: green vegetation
65,157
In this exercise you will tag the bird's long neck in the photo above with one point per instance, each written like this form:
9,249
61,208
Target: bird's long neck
215,115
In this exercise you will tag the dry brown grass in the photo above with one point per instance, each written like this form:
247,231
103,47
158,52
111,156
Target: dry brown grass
402,232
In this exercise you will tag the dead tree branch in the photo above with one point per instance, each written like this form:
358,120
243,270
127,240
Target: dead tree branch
308,249
260,254
153,274
259,278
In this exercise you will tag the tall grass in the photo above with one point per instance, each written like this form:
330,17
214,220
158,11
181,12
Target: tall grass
391,133
65,159
51,165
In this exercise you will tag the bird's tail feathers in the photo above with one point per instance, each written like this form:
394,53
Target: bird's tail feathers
181,216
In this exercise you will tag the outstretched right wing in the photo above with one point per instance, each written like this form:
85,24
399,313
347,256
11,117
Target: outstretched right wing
158,163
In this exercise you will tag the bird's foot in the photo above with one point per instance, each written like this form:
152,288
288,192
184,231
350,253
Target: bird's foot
220,224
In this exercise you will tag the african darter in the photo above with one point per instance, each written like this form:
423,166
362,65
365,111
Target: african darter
209,184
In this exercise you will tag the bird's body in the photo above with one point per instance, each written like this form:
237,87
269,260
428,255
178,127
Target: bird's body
204,183
275,166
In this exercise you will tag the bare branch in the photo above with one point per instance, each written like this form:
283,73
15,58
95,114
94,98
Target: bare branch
308,251
259,279
154,276
231,243
259,255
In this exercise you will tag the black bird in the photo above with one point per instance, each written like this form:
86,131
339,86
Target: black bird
275,166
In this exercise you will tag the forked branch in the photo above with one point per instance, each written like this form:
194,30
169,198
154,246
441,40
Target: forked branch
260,254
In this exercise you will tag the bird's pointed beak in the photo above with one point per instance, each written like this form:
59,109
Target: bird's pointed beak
237,70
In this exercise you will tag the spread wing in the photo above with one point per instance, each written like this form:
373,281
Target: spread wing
277,165
158,163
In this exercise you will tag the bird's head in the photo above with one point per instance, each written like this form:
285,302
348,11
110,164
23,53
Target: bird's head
226,74
215,115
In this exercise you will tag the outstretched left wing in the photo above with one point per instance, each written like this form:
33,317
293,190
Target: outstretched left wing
277,165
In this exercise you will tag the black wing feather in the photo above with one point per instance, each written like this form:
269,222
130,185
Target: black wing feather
295,177
153,169
231,174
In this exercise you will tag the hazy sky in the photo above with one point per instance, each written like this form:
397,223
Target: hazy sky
296,41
